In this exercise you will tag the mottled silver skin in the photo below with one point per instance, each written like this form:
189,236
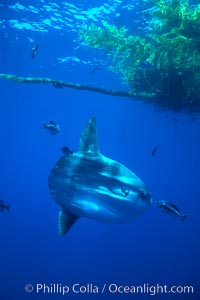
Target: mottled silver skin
89,184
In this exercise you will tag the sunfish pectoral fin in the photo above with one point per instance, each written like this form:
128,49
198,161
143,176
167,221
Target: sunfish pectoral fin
89,140
65,221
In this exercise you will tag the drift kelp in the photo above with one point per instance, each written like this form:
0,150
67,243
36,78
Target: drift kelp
170,48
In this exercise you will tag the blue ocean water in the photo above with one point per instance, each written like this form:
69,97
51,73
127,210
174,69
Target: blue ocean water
156,250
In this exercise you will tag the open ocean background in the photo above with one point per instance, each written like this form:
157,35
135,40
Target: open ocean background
156,249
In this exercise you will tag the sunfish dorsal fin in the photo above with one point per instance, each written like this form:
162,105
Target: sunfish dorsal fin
65,221
89,140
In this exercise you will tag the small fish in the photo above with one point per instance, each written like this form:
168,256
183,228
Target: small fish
171,209
34,51
4,206
66,151
153,153
52,127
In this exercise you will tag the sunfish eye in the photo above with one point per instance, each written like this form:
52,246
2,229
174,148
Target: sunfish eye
125,192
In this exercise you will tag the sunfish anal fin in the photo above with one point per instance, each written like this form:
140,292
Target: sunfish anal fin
89,140
65,222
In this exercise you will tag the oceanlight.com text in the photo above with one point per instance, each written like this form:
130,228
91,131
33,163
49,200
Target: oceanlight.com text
111,288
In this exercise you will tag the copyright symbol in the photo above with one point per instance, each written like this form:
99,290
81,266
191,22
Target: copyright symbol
28,288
